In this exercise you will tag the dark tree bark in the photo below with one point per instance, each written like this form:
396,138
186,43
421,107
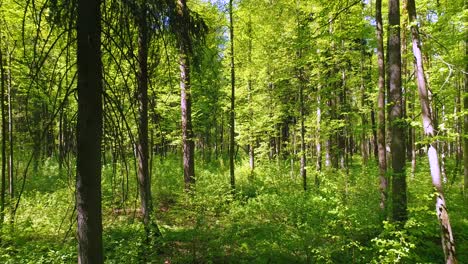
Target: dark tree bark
144,179
397,146
232,109
381,111
186,94
448,243
89,133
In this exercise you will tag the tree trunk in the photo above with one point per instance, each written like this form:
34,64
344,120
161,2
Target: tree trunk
364,122
251,114
303,146
397,145
381,111
186,95
465,117
318,141
89,133
448,243
11,179
231,112
144,178
4,130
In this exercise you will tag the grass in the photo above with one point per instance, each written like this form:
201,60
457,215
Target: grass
268,220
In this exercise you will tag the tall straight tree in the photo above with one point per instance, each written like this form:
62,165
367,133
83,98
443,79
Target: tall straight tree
397,146
4,130
144,179
185,92
465,116
381,109
448,243
233,98
89,132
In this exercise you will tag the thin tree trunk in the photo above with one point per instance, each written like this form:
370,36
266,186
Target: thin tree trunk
144,177
465,117
11,179
397,145
89,133
364,122
186,95
251,114
448,243
231,112
318,142
303,146
4,130
381,111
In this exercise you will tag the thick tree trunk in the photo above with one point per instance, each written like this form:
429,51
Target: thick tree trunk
232,109
448,243
186,95
381,111
397,145
89,133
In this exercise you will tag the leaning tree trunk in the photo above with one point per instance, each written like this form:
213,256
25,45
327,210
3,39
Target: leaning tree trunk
232,113
89,133
186,95
397,146
448,243
381,111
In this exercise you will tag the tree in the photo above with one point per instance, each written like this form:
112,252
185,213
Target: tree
381,109
4,130
185,49
397,146
465,116
89,132
448,243
144,177
233,98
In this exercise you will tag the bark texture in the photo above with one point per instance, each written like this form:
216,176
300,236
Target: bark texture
144,180
89,133
397,146
381,110
448,243
185,94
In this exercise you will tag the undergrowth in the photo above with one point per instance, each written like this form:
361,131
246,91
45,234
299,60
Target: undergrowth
268,219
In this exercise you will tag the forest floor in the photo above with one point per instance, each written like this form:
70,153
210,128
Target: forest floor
269,219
